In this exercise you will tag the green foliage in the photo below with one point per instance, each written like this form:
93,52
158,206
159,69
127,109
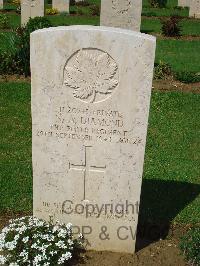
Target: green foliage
158,3
149,14
51,11
4,21
95,10
83,3
153,3
162,70
72,3
190,246
79,11
18,10
37,23
16,59
187,77
171,27
64,14
162,3
9,58
168,10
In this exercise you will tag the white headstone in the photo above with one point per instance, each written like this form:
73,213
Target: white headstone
1,4
194,9
61,5
184,3
91,90
121,13
31,9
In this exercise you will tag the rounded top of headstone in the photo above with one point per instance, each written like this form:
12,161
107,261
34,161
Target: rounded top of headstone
94,29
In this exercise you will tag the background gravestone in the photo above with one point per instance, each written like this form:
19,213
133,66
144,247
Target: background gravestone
121,13
195,9
1,4
184,3
91,90
61,5
31,9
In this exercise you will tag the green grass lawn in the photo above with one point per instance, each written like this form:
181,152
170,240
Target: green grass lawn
165,12
170,3
61,20
14,20
15,147
148,25
181,55
171,176
188,27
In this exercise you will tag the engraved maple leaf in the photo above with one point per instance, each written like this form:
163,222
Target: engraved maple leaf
121,6
91,74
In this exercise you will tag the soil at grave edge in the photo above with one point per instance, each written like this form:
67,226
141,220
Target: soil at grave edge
159,253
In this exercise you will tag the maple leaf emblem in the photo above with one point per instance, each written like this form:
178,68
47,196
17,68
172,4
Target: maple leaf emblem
121,6
91,74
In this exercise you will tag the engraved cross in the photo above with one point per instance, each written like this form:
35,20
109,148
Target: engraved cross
86,168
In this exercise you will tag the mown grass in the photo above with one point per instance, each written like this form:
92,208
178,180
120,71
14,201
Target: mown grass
165,12
189,27
171,187
181,55
171,176
170,3
15,147
61,20
148,25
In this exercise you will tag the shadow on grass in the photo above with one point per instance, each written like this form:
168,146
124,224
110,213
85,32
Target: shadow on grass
147,31
161,202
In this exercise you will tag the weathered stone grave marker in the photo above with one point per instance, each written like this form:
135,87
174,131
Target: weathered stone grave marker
121,13
31,9
184,3
1,4
91,90
194,9
61,5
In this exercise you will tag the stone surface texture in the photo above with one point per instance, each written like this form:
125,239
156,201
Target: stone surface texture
61,5
121,14
194,9
184,3
31,9
91,90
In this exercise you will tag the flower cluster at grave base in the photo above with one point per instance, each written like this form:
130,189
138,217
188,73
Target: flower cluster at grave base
32,241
